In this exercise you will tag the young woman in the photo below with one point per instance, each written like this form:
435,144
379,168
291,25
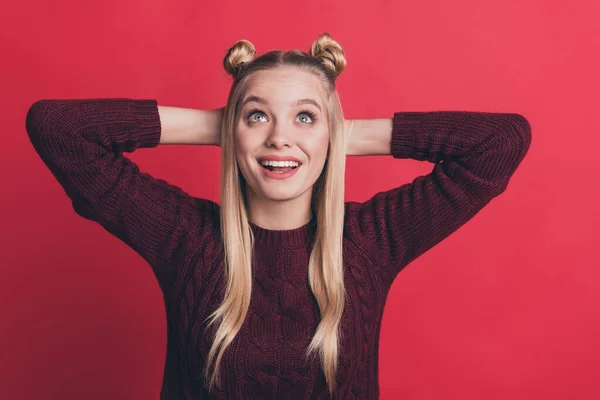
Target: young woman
278,292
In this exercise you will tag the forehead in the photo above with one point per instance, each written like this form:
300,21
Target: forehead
284,86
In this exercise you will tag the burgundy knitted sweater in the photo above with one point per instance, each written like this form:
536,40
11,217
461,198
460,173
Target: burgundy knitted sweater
83,141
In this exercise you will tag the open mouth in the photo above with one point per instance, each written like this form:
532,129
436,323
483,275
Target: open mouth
279,170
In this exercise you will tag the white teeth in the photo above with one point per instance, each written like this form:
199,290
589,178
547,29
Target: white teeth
280,163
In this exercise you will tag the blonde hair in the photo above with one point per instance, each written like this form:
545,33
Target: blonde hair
325,272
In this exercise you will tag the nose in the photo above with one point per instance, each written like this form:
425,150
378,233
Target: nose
278,137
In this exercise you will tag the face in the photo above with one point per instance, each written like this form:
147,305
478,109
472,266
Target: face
277,120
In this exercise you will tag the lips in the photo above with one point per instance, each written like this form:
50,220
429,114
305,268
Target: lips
269,173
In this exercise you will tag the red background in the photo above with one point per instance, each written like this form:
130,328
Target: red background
505,308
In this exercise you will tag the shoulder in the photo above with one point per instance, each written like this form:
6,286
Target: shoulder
201,219
354,227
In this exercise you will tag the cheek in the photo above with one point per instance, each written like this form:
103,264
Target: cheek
245,150
319,146
244,144
249,140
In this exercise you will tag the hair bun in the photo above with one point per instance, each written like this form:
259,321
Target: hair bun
330,53
242,52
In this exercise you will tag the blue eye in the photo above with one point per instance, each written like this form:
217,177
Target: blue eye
310,114
252,113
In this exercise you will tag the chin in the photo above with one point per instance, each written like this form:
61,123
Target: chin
279,195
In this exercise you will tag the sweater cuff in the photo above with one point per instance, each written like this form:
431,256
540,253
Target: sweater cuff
148,122
404,133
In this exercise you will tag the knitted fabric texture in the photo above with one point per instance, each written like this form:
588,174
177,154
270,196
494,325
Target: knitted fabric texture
83,141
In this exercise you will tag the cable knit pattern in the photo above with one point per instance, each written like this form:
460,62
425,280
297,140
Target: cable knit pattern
83,143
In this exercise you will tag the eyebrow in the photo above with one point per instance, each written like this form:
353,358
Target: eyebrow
300,101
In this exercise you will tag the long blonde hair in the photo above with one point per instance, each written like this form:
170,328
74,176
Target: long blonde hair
325,272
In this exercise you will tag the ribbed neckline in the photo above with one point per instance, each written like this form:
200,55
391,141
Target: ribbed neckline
297,237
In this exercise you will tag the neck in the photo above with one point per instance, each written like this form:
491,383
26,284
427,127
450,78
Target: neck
280,214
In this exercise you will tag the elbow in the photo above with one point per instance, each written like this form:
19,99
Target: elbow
41,123
35,120
514,139
520,128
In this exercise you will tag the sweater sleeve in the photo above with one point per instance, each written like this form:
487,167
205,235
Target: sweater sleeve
82,142
475,154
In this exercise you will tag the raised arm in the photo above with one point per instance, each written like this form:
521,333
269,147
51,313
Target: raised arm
474,153
82,143
190,126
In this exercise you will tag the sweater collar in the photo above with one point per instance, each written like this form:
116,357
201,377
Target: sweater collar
298,237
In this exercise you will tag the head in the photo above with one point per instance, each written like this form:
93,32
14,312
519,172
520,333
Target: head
283,103
283,113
